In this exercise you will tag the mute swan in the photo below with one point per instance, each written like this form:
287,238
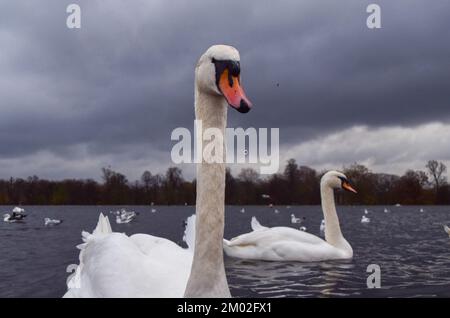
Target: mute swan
447,230
288,244
115,265
421,210
366,211
365,219
386,210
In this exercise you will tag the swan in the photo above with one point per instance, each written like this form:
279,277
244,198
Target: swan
365,219
153,210
276,211
116,265
421,210
49,222
295,219
366,211
386,210
447,230
288,244
242,210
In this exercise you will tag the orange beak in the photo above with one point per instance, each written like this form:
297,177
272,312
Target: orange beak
348,187
230,87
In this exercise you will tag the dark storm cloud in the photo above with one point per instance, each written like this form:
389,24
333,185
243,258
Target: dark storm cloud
117,87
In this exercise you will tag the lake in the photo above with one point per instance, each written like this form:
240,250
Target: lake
410,246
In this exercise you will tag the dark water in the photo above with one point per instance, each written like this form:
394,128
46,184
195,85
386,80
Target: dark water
411,248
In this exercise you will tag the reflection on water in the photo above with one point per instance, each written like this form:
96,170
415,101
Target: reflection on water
411,248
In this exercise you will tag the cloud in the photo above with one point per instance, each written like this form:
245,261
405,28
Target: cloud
384,149
120,84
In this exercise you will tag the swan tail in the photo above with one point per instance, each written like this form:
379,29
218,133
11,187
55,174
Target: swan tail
256,226
103,225
189,232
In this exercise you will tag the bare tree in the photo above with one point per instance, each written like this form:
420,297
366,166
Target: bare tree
436,171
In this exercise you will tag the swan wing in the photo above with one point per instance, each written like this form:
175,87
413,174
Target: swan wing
115,265
256,226
280,243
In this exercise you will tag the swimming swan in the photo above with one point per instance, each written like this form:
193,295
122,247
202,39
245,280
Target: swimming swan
141,265
288,244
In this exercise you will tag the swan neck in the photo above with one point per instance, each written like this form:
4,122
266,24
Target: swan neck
333,234
207,278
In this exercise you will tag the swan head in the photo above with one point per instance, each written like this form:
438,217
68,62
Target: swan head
337,180
218,73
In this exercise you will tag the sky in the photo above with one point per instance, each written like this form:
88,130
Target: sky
109,94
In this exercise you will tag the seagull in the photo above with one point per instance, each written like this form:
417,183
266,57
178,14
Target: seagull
365,219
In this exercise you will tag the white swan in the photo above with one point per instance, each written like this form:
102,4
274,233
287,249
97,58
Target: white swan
365,219
295,219
386,210
243,210
288,244
366,211
447,230
115,265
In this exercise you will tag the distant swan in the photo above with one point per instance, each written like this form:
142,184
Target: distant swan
386,210
116,265
242,210
365,219
288,244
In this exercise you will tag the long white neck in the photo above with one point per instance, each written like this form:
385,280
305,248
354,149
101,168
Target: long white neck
207,278
333,234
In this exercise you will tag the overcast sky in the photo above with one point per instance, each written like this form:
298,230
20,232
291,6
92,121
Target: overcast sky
110,93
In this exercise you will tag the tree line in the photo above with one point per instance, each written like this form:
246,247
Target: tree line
295,185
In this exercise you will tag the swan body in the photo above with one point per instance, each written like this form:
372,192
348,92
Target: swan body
366,211
116,265
365,219
288,244
421,210
386,210
276,211
49,222
130,266
242,210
